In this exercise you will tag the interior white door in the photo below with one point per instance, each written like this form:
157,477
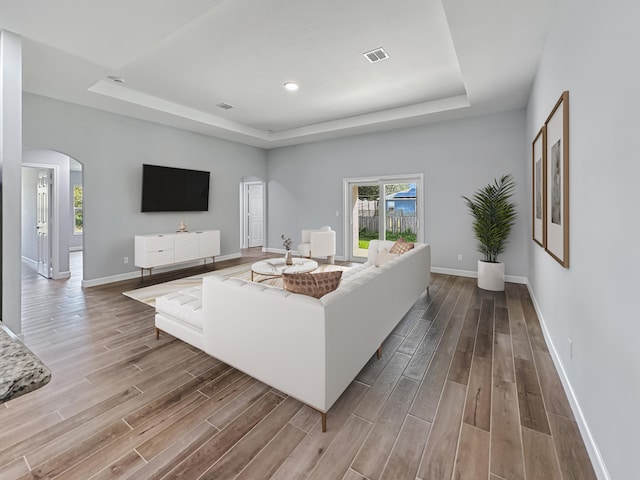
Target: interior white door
43,222
255,214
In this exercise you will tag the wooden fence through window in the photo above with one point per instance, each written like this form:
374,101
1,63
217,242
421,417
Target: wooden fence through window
393,223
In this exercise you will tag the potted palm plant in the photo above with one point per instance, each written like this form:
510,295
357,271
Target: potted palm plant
493,216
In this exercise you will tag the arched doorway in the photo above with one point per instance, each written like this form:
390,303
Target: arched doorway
54,221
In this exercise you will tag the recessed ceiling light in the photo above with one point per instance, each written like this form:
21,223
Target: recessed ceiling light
115,78
291,86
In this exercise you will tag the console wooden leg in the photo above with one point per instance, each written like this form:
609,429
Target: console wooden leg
323,416
379,352
157,334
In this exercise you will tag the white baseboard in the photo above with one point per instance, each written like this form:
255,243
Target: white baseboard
516,279
136,274
472,274
61,275
94,282
56,276
229,256
592,448
278,250
452,271
32,263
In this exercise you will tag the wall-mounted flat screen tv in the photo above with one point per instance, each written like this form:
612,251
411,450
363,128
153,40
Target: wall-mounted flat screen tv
168,189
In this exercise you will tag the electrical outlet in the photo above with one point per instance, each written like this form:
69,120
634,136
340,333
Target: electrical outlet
125,260
337,213
570,348
459,257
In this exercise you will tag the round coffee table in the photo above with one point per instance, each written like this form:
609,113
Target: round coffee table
275,267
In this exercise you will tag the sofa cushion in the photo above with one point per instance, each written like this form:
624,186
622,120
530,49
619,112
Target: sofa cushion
184,306
313,284
401,246
383,257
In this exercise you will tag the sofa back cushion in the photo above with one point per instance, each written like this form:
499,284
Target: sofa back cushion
376,246
313,284
383,257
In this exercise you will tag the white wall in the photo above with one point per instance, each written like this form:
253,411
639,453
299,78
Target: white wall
112,149
10,164
593,52
29,217
457,157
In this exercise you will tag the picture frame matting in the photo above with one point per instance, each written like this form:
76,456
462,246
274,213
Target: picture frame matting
557,181
539,187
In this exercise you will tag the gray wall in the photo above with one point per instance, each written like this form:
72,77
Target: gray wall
112,149
457,157
592,52
75,240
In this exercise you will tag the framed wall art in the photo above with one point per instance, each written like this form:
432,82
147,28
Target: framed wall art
539,187
557,181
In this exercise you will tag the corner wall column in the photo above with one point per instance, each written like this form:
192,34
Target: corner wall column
11,179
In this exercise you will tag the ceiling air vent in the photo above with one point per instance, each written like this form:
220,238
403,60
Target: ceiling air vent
376,55
115,78
224,106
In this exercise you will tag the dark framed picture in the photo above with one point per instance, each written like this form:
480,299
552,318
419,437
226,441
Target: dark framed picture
557,181
539,187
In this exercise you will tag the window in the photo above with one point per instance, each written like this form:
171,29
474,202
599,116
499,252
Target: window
77,209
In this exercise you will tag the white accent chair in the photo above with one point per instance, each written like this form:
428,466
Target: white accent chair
318,243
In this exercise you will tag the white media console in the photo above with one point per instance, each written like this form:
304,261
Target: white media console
163,249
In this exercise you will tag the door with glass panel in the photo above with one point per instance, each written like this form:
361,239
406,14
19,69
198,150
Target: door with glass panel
365,221
386,209
43,222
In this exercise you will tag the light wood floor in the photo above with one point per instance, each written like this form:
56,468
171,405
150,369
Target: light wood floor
466,388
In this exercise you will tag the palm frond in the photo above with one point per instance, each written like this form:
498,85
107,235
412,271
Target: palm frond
494,214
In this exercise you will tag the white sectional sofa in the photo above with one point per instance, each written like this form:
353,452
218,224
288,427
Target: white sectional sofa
310,349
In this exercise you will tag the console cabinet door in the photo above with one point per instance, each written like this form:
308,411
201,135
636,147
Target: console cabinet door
209,243
186,248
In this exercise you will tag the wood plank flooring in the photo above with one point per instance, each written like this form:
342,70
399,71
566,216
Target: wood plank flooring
465,389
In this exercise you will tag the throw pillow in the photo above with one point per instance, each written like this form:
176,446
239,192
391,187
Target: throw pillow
313,284
401,246
383,257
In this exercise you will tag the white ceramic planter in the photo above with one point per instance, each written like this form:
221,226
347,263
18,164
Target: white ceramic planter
491,276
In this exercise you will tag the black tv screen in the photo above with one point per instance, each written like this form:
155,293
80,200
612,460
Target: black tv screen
168,189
